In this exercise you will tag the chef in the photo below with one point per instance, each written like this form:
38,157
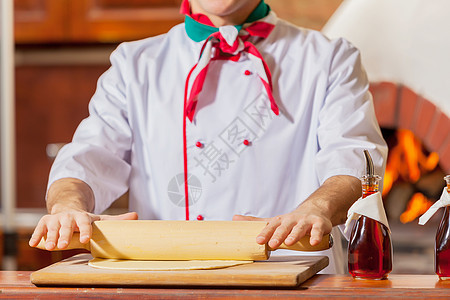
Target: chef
233,115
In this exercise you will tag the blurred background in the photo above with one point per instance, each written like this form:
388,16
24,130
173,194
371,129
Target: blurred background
61,47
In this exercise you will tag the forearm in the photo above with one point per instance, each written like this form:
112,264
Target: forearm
69,194
334,198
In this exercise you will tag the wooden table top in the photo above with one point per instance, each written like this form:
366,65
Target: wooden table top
16,284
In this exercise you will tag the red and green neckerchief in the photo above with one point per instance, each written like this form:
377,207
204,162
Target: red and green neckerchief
229,43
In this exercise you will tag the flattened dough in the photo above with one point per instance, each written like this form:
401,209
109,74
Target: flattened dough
162,265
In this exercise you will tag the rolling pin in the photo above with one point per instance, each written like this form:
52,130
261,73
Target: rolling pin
182,240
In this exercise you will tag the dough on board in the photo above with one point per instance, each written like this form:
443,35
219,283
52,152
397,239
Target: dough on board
162,265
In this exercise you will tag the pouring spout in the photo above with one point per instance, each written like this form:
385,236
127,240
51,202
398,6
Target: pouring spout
370,170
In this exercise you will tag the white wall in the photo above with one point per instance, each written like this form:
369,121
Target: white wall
402,41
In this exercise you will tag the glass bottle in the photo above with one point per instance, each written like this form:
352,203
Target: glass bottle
370,247
442,246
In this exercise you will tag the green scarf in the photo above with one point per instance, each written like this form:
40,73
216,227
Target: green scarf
199,32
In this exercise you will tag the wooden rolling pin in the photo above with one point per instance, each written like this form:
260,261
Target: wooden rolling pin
182,240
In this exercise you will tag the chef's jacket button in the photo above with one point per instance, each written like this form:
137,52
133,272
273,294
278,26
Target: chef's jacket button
247,73
200,217
199,144
246,142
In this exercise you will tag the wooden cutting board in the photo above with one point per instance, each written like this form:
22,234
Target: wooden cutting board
278,271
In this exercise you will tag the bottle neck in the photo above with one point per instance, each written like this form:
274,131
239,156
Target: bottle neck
370,185
367,193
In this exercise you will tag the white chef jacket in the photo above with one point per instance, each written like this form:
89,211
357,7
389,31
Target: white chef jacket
133,137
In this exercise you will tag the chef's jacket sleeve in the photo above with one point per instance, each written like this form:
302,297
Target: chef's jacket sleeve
347,121
100,149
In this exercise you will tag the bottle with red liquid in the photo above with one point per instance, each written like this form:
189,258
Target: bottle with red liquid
370,247
442,246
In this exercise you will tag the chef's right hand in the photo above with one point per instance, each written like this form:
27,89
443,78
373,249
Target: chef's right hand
69,201
58,228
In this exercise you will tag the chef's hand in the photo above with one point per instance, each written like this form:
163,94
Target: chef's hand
59,228
291,227
323,209
69,203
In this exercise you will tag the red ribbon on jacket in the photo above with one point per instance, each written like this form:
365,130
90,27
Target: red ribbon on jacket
227,44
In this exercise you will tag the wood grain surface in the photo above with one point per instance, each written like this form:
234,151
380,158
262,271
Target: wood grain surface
279,271
17,285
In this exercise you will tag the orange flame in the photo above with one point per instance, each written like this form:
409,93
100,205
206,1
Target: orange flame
417,206
407,161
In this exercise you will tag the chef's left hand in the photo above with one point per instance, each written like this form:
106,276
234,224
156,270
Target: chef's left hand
325,208
291,227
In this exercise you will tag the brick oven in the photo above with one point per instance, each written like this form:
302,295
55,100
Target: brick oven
403,114
398,106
